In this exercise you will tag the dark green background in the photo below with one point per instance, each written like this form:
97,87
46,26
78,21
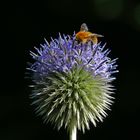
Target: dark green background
24,24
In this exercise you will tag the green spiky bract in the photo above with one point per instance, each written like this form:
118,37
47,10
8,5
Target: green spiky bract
72,99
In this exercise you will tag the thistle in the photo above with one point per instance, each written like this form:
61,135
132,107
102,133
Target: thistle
72,83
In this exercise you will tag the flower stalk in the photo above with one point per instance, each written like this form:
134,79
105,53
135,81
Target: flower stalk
73,133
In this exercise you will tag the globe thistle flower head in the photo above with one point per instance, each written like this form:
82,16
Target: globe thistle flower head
72,82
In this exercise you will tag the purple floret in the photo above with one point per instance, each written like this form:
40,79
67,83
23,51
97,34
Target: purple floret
64,53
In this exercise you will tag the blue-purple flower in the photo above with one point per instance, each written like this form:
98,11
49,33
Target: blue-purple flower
72,82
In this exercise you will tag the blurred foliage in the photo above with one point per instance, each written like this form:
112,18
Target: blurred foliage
108,9
137,15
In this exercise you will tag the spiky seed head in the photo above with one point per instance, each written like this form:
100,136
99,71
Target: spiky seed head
72,82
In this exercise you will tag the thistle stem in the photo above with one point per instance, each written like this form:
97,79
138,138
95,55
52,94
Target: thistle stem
73,133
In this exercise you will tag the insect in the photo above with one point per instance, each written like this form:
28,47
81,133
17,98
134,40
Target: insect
84,35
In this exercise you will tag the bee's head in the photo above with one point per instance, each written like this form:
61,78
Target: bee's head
84,27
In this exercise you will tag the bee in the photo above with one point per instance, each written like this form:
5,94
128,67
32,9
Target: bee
84,35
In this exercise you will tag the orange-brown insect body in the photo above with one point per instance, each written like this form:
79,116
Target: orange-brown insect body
84,35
